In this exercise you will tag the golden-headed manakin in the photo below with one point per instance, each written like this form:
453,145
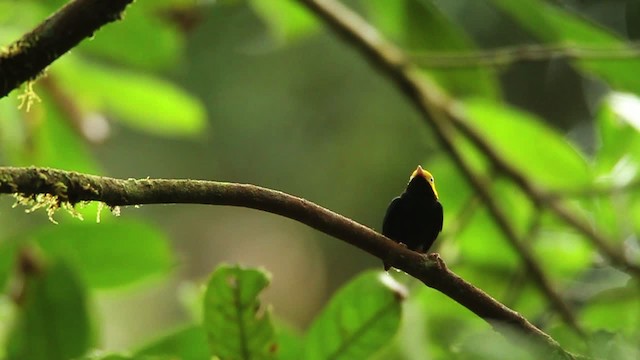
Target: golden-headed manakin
415,217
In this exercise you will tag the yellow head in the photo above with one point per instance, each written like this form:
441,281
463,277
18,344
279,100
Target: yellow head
427,175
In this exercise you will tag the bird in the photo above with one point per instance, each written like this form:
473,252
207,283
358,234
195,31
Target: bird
415,217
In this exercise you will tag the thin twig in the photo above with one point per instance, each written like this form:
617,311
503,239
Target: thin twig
26,58
594,191
433,104
72,187
505,56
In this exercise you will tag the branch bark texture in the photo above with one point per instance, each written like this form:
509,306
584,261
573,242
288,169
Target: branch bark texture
26,58
74,187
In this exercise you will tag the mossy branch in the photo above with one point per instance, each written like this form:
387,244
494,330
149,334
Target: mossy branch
27,58
73,187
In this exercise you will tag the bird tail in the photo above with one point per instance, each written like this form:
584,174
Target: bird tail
386,266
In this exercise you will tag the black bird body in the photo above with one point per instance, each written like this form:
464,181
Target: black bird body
415,217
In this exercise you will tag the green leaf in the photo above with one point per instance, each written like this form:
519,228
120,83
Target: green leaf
564,254
142,39
428,30
53,322
108,255
432,324
287,20
141,101
237,325
188,343
528,145
605,311
613,345
388,17
360,319
482,243
553,25
618,156
290,342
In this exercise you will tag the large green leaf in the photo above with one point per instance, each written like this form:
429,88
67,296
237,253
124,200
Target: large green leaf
360,319
141,101
110,254
563,254
553,25
482,243
290,342
604,311
106,255
142,40
53,322
237,325
528,145
188,343
433,324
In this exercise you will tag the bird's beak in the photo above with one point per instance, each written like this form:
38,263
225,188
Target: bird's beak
419,172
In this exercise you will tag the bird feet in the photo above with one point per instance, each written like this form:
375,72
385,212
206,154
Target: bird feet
435,257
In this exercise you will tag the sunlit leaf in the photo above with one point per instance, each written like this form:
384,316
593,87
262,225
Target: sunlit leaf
150,42
53,322
482,243
563,253
359,319
618,125
528,145
287,20
141,101
237,325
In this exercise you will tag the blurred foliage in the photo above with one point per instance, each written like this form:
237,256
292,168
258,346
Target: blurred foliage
257,91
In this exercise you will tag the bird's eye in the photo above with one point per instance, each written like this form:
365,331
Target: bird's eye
431,179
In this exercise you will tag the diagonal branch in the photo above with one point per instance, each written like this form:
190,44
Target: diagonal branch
72,187
27,58
434,105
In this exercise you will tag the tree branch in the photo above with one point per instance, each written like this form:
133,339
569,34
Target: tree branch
524,53
72,187
26,58
435,106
